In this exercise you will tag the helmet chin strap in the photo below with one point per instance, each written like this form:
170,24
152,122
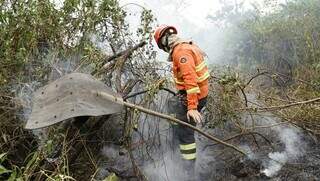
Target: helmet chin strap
165,42
166,49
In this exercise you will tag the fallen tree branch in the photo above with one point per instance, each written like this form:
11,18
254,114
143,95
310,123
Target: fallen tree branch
128,51
269,126
240,135
280,106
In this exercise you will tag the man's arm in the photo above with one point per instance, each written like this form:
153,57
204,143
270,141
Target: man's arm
186,65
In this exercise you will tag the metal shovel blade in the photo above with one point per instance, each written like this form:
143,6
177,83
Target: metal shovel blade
72,95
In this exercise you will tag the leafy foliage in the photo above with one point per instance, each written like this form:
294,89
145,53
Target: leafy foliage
38,36
283,41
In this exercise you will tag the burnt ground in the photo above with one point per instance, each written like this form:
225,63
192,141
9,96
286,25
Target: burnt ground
230,167
159,160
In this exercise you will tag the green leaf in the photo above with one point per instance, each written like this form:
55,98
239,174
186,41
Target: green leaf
2,157
49,146
32,161
111,177
15,176
3,170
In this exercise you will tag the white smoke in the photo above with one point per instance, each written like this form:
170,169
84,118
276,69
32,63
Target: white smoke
100,44
276,163
166,168
250,154
23,95
288,135
293,149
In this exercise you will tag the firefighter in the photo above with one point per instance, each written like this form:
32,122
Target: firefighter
191,75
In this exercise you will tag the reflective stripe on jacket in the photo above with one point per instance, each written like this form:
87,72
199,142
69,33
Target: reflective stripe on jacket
190,72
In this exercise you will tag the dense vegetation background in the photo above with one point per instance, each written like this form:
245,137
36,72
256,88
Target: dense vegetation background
41,41
282,43
273,54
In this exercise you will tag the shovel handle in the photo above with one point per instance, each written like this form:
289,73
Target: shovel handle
169,118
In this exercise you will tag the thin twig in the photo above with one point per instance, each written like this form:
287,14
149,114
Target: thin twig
144,91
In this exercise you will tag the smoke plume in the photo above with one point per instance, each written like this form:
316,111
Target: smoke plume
293,149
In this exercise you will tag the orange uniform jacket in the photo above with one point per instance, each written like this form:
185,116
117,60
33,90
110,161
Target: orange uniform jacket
190,72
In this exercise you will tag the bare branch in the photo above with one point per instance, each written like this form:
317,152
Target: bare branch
271,108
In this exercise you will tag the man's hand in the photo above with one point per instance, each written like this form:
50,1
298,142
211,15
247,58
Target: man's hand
195,115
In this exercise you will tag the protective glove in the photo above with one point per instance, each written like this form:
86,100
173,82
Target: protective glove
195,115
